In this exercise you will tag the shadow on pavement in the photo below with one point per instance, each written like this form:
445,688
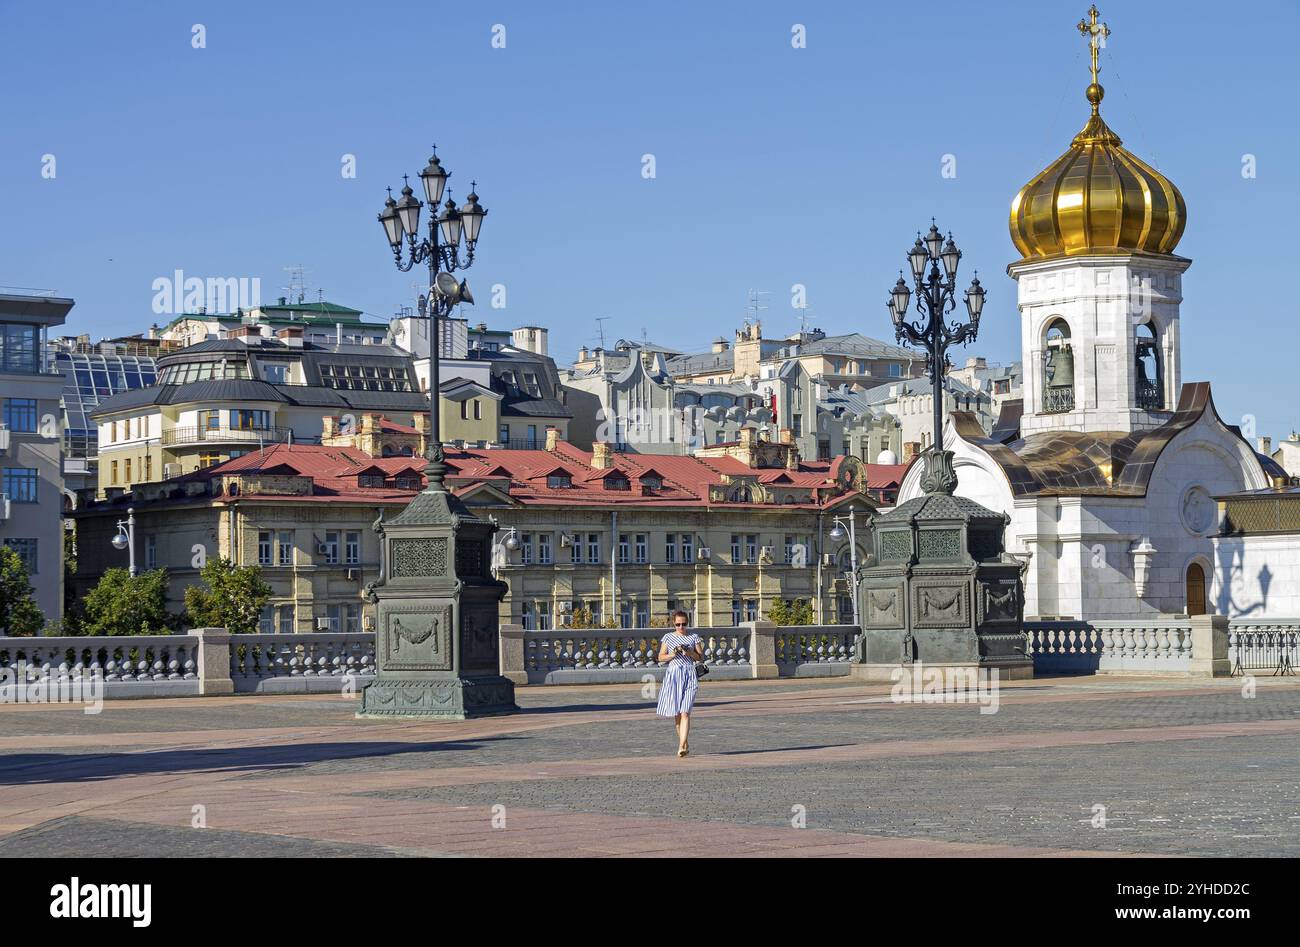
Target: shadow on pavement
20,769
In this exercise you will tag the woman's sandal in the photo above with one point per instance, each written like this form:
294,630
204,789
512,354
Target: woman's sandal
683,751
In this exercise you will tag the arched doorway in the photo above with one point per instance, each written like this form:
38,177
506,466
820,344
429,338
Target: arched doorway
1195,589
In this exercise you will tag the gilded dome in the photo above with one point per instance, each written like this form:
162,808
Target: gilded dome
1097,197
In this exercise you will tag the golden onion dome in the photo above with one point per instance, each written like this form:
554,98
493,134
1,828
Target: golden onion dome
1098,197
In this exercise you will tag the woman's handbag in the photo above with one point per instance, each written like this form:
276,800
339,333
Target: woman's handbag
701,669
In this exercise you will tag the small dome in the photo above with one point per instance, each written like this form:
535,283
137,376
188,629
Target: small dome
1097,197
887,457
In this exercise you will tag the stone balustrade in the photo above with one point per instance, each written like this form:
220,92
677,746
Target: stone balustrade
750,650
1195,646
314,663
129,665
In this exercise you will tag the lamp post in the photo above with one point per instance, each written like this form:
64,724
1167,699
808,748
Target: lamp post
125,538
837,533
440,249
936,296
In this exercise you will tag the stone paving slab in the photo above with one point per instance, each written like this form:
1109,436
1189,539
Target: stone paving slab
1183,767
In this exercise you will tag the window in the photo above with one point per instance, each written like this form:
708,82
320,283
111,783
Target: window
575,549
352,548
593,548
751,549
286,619
128,471
330,548
789,550
624,548
26,549
20,349
113,468
1058,369
652,483
151,552
526,616
503,436
796,425
641,548
625,615
642,615
464,410
543,616
532,436
751,609
264,549
688,548
344,618
209,420
276,374
1150,384
266,623
284,551
245,419
20,415
735,548
526,548
478,410
148,467
209,459
670,548
895,371
20,483
737,614
559,481
544,549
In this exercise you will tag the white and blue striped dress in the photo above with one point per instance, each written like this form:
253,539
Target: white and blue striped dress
677,693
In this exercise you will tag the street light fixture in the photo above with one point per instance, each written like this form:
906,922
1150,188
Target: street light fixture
125,537
440,249
837,533
936,297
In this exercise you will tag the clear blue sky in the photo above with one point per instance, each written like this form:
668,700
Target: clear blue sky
775,165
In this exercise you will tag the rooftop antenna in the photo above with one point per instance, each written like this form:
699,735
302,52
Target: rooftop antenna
756,304
600,327
297,288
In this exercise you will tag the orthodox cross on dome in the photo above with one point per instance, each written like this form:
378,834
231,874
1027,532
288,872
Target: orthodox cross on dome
1096,34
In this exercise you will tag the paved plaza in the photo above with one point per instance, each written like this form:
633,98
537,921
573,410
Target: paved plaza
807,767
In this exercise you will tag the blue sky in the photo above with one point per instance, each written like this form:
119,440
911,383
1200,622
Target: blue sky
774,165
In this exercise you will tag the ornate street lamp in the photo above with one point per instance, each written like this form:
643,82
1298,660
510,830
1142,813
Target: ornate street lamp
936,297
440,249
838,533
437,602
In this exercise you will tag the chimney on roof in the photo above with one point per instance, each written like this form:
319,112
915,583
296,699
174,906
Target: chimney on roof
552,438
787,435
290,336
602,457
245,334
1266,445
910,450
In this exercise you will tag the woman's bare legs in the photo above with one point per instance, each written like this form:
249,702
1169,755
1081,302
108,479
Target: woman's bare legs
685,733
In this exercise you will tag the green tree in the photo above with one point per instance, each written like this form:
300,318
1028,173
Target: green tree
233,599
19,613
122,605
778,613
785,613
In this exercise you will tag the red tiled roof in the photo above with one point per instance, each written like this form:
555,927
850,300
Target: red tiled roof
885,475
334,471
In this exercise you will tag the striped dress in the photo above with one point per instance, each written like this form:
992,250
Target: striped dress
677,693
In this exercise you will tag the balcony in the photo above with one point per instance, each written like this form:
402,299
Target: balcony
184,436
1150,397
1057,400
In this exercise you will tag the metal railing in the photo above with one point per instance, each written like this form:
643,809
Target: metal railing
1057,400
1262,645
1150,397
203,435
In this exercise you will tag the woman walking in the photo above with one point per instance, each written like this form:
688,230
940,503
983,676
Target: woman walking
677,694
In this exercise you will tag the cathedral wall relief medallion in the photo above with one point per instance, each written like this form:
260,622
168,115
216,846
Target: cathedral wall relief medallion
1198,510
417,638
417,558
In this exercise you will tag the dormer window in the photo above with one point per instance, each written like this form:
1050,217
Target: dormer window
652,483
373,480
617,482
559,481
